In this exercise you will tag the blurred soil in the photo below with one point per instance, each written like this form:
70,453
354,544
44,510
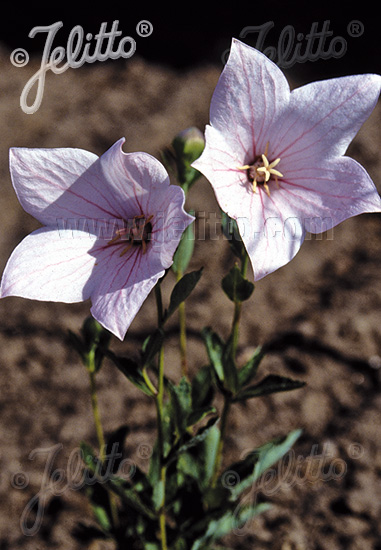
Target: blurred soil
319,317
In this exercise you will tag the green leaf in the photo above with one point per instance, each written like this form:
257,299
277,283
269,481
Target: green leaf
91,344
236,287
158,494
231,520
192,440
202,388
152,346
181,400
199,414
215,349
271,384
102,517
230,368
221,360
130,497
250,369
182,290
208,454
131,371
231,233
184,251
248,470
199,462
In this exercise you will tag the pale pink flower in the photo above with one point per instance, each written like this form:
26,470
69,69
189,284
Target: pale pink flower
111,225
276,160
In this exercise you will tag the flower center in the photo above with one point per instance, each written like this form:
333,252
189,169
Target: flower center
137,232
261,171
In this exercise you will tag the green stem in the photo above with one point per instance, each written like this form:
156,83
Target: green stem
148,381
183,334
99,430
238,311
160,423
227,402
218,460
96,415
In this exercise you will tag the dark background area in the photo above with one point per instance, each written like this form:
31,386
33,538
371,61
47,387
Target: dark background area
200,33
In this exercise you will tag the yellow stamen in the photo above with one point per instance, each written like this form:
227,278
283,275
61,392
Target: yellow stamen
261,171
136,234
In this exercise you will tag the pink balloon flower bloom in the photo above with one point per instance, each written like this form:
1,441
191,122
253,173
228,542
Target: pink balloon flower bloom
111,225
276,160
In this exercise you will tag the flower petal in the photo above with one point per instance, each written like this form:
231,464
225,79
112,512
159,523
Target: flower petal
323,118
60,184
119,295
50,265
137,180
272,235
169,223
273,228
324,196
251,92
122,283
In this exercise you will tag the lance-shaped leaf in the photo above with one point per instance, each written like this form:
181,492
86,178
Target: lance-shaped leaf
273,383
250,369
221,360
248,470
132,371
181,401
152,346
202,388
192,440
215,349
230,521
182,290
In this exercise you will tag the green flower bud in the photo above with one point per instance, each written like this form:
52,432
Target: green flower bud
188,146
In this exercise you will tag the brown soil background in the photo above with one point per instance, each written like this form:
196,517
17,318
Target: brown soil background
319,316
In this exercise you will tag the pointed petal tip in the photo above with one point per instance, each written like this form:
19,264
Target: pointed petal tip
111,327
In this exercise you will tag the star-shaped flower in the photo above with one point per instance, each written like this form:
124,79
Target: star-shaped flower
111,225
276,158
